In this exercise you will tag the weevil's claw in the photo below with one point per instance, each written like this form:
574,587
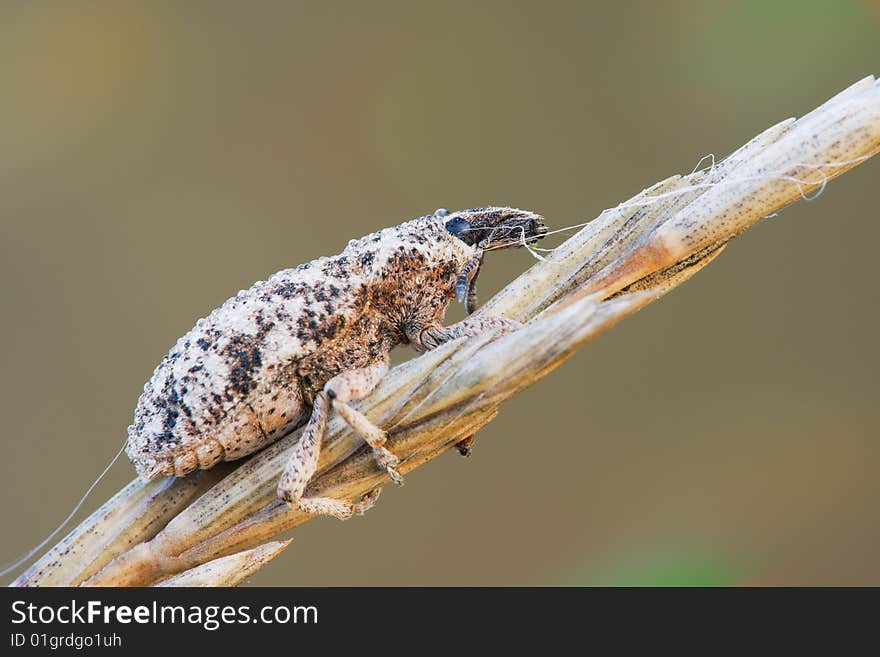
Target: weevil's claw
367,502
396,477
389,461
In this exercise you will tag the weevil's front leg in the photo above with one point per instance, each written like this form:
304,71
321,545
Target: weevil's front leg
303,462
425,338
466,285
431,336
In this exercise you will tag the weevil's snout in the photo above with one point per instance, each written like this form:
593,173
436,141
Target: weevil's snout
496,228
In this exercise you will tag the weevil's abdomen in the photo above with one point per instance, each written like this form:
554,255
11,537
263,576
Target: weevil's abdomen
230,386
181,427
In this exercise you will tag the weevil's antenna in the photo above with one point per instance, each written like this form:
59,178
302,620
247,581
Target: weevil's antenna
37,548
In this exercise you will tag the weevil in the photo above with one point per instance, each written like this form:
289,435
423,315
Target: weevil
312,339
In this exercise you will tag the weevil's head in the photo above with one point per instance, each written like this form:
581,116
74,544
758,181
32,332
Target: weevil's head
494,228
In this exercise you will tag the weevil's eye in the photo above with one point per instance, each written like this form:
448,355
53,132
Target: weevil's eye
441,212
458,227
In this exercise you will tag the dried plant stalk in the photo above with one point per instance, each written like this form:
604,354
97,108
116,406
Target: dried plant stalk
228,571
182,531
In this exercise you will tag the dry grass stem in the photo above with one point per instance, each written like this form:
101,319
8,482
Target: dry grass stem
199,530
227,571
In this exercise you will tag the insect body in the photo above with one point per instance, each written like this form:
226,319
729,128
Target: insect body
314,338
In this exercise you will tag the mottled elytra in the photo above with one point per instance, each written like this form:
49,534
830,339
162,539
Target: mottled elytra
316,337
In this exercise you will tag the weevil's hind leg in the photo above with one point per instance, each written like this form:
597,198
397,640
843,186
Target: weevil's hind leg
303,462
356,384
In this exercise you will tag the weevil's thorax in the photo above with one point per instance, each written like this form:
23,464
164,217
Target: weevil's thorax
398,277
409,271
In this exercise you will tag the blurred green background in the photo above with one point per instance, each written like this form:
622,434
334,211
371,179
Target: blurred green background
156,157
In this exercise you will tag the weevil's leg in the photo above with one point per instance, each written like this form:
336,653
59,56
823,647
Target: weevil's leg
367,502
356,384
303,462
466,284
425,338
432,336
471,304
465,446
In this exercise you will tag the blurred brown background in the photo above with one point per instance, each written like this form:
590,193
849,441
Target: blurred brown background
157,157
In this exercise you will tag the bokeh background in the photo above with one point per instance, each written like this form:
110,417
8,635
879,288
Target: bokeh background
156,157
